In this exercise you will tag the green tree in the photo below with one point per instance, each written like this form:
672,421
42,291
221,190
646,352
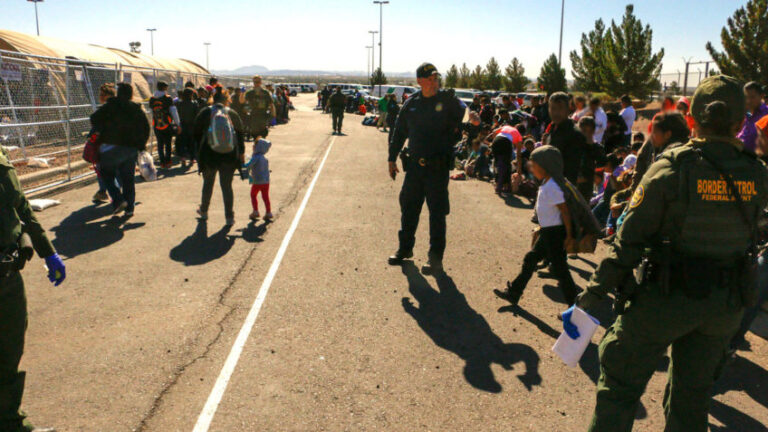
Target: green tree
745,42
478,78
452,77
379,77
674,88
586,67
552,76
493,77
619,60
515,79
631,66
464,74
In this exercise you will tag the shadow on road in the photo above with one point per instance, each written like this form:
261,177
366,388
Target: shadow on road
515,202
85,230
199,248
452,324
741,375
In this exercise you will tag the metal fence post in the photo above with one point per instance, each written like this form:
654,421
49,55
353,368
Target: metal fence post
13,112
67,131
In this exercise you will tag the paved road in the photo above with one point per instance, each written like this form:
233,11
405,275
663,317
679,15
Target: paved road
138,335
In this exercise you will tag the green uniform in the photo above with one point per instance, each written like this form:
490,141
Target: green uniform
680,215
259,101
16,216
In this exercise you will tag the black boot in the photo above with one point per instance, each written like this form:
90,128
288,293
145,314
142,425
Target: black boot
399,256
434,266
512,294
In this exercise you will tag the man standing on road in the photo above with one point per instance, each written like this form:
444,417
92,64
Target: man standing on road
21,235
337,103
629,115
430,120
262,108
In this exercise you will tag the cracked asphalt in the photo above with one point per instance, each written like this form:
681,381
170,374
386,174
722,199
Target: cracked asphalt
136,337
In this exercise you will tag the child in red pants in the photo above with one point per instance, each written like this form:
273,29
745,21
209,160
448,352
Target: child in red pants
258,174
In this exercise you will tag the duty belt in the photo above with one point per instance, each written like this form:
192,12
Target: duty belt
432,162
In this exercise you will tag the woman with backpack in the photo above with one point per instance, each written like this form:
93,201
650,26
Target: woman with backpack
123,130
219,134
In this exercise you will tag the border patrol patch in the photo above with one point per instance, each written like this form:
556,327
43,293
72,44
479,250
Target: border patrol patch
637,197
439,107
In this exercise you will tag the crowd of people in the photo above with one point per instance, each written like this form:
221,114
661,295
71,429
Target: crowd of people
210,126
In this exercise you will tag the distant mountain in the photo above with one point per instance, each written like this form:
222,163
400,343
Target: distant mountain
261,70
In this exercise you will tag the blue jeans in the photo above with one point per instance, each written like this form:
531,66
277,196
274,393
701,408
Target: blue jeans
751,313
120,165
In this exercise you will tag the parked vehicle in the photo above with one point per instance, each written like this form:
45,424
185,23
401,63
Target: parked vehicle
346,86
397,90
466,95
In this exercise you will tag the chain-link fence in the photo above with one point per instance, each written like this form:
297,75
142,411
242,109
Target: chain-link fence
45,104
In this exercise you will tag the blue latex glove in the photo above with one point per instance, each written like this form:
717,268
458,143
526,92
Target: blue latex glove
570,329
56,270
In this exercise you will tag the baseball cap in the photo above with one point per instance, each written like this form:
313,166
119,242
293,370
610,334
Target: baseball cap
426,70
719,88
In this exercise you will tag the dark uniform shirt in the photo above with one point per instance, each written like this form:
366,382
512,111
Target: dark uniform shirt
16,215
430,125
337,102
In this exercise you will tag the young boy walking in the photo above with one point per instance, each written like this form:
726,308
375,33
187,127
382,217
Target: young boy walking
258,174
555,233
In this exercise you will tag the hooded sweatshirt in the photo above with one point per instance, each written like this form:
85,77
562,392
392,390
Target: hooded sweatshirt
258,166
582,220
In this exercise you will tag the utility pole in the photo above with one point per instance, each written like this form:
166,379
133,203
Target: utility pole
37,22
562,18
152,39
368,58
207,44
373,56
381,25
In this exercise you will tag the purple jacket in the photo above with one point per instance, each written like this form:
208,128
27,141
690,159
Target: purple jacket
748,134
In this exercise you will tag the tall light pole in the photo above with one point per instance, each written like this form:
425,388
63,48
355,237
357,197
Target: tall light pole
368,57
207,44
381,22
562,17
37,22
152,39
373,56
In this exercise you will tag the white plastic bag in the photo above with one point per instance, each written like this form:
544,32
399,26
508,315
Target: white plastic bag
147,166
42,204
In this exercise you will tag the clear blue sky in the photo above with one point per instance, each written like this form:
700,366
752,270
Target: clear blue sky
332,34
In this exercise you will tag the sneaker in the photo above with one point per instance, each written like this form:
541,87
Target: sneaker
432,267
230,221
268,216
100,197
120,207
255,215
201,214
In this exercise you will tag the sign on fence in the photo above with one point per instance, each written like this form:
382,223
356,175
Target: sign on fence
10,71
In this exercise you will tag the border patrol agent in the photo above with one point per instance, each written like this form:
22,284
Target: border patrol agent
430,120
691,228
20,236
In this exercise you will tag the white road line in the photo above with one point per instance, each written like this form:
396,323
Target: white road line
212,404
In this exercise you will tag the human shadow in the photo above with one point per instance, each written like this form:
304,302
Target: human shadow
741,375
585,261
87,229
584,274
446,317
514,201
252,233
198,248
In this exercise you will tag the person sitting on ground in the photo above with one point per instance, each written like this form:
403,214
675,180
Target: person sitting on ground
258,175
619,201
555,235
222,148
601,201
478,163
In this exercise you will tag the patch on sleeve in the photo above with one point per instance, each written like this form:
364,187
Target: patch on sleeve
637,197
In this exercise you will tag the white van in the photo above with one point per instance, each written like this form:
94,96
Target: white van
398,90
346,86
